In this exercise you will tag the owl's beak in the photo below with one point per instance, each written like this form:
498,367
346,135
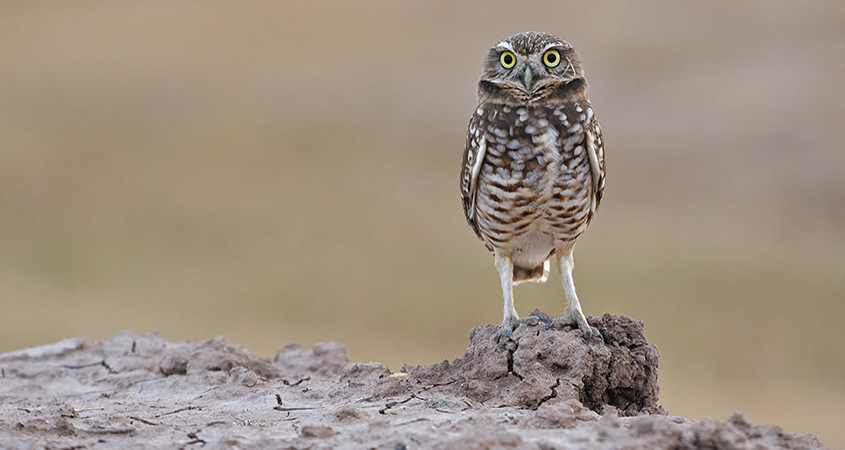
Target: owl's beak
527,78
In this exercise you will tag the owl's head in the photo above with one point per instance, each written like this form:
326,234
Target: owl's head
531,68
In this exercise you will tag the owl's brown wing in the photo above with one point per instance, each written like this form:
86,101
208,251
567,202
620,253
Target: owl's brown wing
595,152
474,150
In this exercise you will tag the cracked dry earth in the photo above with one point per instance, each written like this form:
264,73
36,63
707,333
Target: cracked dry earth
547,389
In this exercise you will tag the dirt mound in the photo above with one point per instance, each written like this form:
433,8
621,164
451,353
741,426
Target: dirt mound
547,389
538,366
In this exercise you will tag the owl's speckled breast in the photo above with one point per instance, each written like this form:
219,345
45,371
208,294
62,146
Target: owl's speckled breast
534,183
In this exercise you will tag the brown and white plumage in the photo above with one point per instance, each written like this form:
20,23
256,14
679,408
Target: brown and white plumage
533,169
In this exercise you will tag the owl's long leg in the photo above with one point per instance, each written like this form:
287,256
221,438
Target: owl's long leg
573,314
505,267
511,320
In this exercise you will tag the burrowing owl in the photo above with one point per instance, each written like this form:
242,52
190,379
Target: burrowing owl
533,168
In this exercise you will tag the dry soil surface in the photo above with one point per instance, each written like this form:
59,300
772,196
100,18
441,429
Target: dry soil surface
546,389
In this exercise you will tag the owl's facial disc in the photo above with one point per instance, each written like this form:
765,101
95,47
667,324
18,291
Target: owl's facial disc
530,68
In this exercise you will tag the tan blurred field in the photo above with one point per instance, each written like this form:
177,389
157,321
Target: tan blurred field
283,172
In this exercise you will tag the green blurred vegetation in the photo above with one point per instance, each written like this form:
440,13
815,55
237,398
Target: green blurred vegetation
288,172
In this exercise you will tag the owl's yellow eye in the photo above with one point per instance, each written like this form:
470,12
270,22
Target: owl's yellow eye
507,59
551,58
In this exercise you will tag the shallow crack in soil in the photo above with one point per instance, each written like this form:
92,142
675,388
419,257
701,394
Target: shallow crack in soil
552,395
390,405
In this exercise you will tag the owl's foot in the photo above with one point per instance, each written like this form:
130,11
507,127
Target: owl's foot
576,318
512,323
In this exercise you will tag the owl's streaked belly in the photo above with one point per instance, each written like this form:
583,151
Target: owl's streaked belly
533,191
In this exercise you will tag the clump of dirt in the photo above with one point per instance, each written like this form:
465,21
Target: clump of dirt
545,389
539,366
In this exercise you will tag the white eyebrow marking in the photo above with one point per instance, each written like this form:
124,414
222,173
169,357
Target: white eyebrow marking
552,45
504,46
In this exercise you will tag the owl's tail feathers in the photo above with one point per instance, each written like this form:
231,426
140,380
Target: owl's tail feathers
537,274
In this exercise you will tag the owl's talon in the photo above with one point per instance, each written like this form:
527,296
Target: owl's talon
593,332
509,326
573,319
597,333
543,320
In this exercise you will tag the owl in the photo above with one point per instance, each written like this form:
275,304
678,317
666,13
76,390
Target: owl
533,166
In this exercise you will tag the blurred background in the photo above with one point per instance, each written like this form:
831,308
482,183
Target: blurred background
281,172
